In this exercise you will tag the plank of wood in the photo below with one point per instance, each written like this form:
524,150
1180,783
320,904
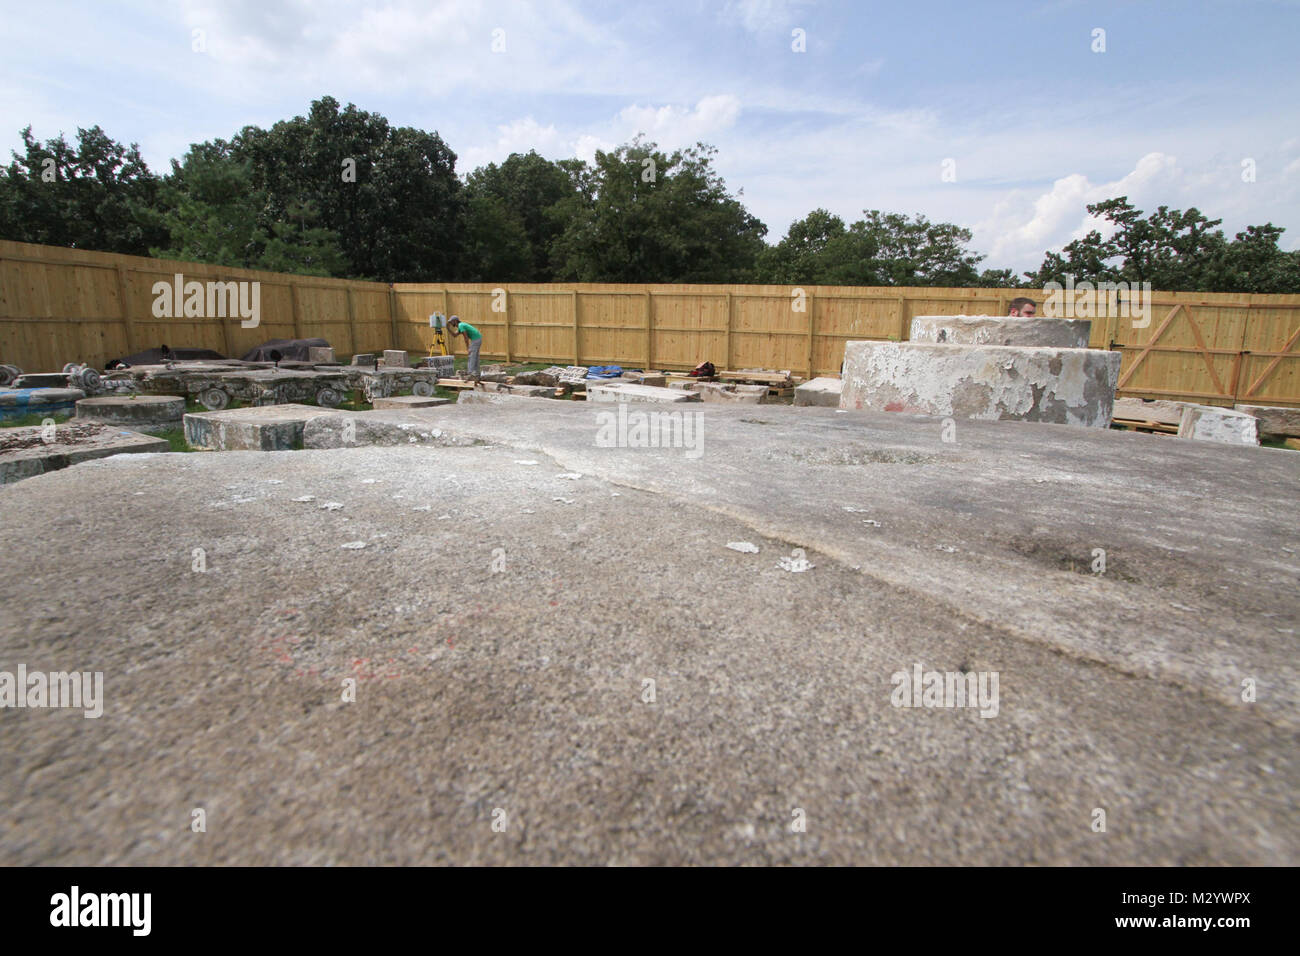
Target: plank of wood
758,378
1292,443
454,383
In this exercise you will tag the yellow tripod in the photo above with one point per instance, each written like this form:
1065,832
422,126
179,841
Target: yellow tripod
438,322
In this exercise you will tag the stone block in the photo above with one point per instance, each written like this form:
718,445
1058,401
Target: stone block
364,358
1212,423
262,428
643,378
318,354
819,391
143,413
18,402
1160,411
629,392
718,392
387,427
411,401
1274,422
395,358
1001,330
1061,386
24,453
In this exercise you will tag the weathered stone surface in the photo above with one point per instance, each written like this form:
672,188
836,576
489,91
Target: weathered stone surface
410,401
720,392
1274,422
629,392
1211,423
320,354
473,397
387,427
395,358
363,358
1061,386
264,428
819,391
17,402
643,378
24,453
541,377
139,412
1160,411
1001,330
41,380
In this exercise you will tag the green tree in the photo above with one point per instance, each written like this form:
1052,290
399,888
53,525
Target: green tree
527,189
389,193
642,215
97,195
1174,250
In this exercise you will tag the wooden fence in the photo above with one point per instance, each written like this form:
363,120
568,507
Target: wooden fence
59,305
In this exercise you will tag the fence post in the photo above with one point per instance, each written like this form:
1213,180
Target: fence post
649,332
577,355
128,323
726,363
352,322
812,313
297,316
902,319
392,314
507,321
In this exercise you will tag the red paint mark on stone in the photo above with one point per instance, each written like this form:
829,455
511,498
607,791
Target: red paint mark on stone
895,407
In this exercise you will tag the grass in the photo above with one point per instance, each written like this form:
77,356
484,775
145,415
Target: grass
34,418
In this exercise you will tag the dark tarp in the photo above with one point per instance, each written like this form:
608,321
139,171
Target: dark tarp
292,349
154,356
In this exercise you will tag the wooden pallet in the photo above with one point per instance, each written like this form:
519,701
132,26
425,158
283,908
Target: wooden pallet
1145,425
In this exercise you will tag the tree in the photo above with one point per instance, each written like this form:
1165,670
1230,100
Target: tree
213,214
390,194
1174,250
525,189
640,215
96,196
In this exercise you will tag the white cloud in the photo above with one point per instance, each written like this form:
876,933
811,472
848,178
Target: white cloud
672,126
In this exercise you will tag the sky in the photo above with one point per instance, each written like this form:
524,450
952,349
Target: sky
1006,118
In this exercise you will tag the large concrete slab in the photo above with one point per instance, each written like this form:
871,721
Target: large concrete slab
1059,386
21,402
1213,423
1001,330
411,401
1274,421
146,413
28,452
615,391
823,392
260,428
524,689
1160,411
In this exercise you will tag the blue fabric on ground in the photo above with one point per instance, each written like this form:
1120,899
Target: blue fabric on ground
605,371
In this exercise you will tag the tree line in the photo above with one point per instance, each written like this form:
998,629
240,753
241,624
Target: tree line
342,192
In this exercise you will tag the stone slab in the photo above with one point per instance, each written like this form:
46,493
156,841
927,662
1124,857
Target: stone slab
1060,386
316,353
41,380
1001,330
19,402
630,392
643,378
731,394
1159,411
1212,423
385,427
24,453
410,401
819,391
364,358
261,428
1121,687
395,358
1274,422
140,412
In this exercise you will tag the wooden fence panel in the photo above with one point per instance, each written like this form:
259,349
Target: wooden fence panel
60,305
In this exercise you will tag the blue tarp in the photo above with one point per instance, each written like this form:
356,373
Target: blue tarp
605,371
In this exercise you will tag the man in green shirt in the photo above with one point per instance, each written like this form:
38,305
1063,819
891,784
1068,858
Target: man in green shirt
473,341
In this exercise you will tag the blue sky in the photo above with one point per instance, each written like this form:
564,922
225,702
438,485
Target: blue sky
1035,122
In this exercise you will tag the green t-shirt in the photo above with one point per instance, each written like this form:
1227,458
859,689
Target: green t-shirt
469,330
